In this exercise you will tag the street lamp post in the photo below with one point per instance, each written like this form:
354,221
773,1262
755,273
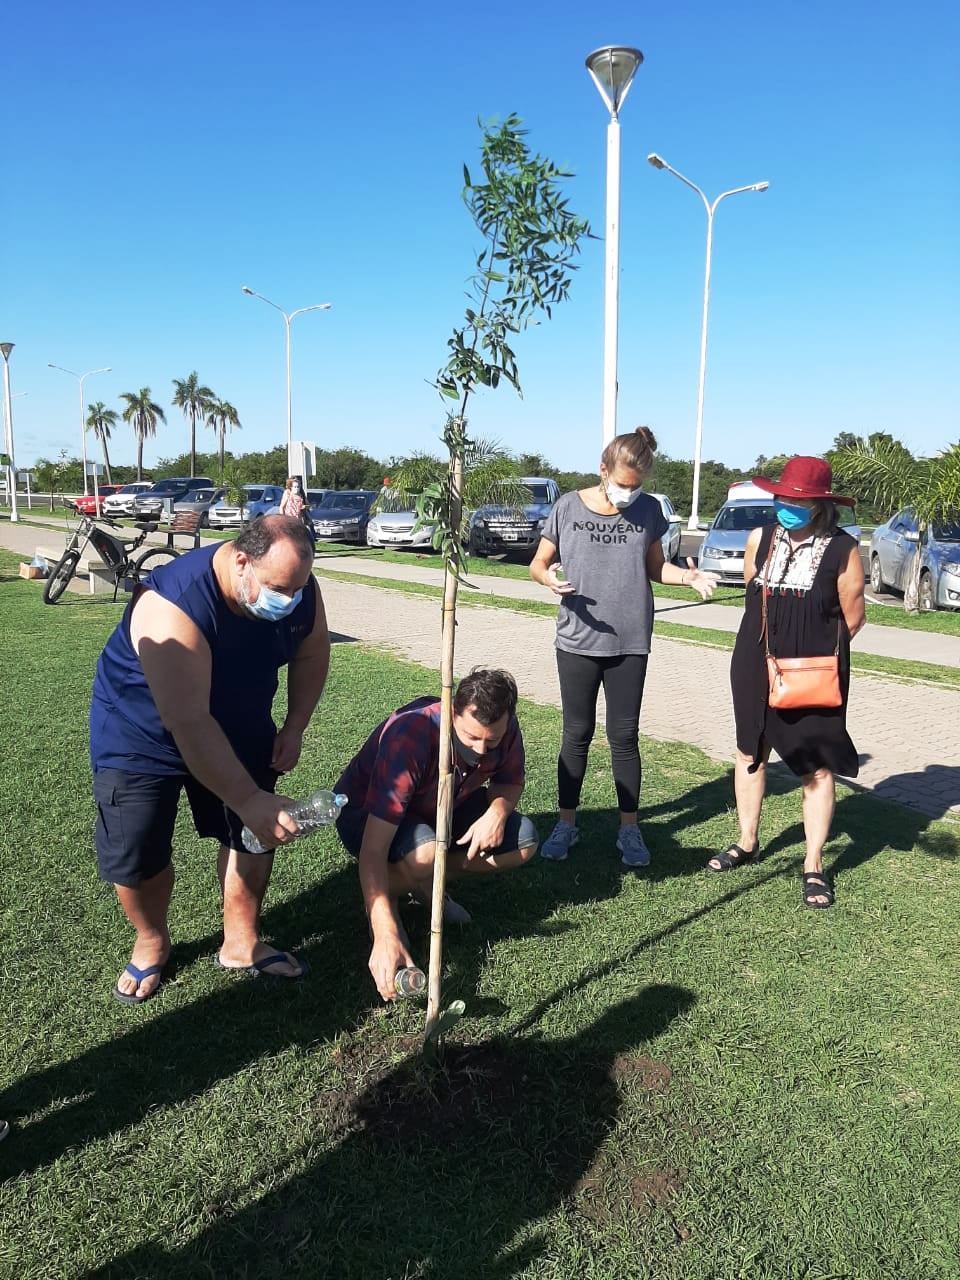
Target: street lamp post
83,423
612,70
658,162
288,318
6,348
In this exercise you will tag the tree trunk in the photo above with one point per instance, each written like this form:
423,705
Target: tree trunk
106,458
911,596
222,438
139,457
445,787
193,447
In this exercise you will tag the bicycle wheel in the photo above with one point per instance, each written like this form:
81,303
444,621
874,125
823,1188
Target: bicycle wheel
153,559
56,584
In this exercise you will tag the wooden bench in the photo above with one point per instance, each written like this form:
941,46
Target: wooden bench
186,523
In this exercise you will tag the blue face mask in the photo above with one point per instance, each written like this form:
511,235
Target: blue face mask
270,605
790,516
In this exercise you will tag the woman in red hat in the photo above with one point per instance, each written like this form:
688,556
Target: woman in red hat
813,578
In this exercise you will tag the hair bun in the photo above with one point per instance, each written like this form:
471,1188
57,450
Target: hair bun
647,436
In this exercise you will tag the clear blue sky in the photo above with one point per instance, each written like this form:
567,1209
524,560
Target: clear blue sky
158,157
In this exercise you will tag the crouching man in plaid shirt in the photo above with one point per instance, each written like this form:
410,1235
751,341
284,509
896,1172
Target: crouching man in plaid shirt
391,788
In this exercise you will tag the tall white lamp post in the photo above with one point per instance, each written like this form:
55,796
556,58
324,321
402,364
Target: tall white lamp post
658,162
612,70
81,377
288,318
6,348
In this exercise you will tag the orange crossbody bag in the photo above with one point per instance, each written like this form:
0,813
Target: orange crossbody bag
796,683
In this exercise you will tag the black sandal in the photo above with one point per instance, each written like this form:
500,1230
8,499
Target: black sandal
733,857
816,885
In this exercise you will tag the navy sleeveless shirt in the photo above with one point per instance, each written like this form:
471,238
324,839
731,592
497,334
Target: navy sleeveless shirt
126,731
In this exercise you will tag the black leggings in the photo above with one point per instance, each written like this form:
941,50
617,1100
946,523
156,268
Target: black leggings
580,679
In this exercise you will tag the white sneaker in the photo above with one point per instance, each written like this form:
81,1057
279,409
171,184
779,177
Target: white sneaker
631,844
559,842
453,913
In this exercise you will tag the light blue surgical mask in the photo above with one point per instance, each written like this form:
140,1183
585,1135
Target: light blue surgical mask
269,605
791,516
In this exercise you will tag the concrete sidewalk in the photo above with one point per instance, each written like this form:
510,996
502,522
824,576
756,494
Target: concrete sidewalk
899,729
887,642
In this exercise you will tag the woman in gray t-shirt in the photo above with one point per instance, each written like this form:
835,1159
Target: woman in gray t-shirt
608,539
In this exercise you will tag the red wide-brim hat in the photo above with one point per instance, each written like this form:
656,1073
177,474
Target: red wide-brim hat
809,479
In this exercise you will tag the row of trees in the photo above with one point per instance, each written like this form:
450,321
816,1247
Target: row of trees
196,402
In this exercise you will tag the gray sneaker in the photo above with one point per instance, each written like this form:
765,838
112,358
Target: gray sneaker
559,842
632,848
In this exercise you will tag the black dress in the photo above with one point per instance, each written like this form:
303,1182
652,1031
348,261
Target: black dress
803,622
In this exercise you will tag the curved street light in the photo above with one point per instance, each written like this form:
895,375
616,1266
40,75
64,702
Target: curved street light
658,162
612,70
83,424
288,318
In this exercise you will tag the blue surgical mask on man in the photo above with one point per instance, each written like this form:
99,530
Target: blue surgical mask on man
270,605
790,515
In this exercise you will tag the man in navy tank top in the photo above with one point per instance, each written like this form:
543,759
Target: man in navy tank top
182,700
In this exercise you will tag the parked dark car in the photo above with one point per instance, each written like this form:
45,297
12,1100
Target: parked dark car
493,529
893,547
343,515
147,506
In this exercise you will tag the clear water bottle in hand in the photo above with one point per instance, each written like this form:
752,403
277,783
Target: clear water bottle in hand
410,981
318,810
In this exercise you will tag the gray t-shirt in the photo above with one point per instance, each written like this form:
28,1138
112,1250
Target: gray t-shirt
605,560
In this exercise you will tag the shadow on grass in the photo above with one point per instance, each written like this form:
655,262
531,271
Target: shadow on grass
505,1134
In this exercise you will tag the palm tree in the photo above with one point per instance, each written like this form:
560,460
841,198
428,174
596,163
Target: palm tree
490,476
101,420
143,415
194,400
221,416
882,472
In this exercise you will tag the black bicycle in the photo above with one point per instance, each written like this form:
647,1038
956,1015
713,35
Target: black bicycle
115,552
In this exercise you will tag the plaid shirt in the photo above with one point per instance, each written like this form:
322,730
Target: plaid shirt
396,772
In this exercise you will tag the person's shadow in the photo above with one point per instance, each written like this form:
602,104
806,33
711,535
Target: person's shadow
167,1057
440,1170
939,793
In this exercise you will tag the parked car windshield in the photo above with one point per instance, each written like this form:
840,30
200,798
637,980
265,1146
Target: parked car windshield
252,495
132,488
391,503
742,518
168,486
949,531
202,495
538,492
346,501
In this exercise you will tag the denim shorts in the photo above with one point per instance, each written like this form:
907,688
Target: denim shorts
137,812
519,832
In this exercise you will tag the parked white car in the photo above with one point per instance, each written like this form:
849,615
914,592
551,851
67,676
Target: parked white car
393,524
121,502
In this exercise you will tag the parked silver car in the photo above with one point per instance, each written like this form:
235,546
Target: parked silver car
671,539
258,499
893,547
197,503
726,541
393,524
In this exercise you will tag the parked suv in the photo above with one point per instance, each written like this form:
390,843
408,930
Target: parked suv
148,505
121,502
493,529
258,499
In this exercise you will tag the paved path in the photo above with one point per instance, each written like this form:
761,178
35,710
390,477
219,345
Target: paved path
899,729
888,642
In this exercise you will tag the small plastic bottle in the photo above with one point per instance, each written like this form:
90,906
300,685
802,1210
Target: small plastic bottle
410,981
318,810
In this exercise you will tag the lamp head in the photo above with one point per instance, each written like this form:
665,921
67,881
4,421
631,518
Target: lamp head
612,70
6,348
658,162
761,186
245,288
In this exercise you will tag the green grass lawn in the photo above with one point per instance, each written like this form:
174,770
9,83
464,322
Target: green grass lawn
666,1074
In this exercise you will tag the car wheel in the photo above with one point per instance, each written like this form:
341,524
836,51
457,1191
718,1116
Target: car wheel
926,601
877,584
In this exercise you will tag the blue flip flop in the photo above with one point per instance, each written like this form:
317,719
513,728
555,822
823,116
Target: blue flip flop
260,968
138,975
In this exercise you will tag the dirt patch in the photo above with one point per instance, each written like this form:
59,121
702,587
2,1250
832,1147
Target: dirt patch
641,1072
656,1188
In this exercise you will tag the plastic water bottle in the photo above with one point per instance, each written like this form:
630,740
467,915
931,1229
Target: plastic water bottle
410,981
318,810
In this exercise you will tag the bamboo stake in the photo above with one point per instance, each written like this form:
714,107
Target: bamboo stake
445,787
